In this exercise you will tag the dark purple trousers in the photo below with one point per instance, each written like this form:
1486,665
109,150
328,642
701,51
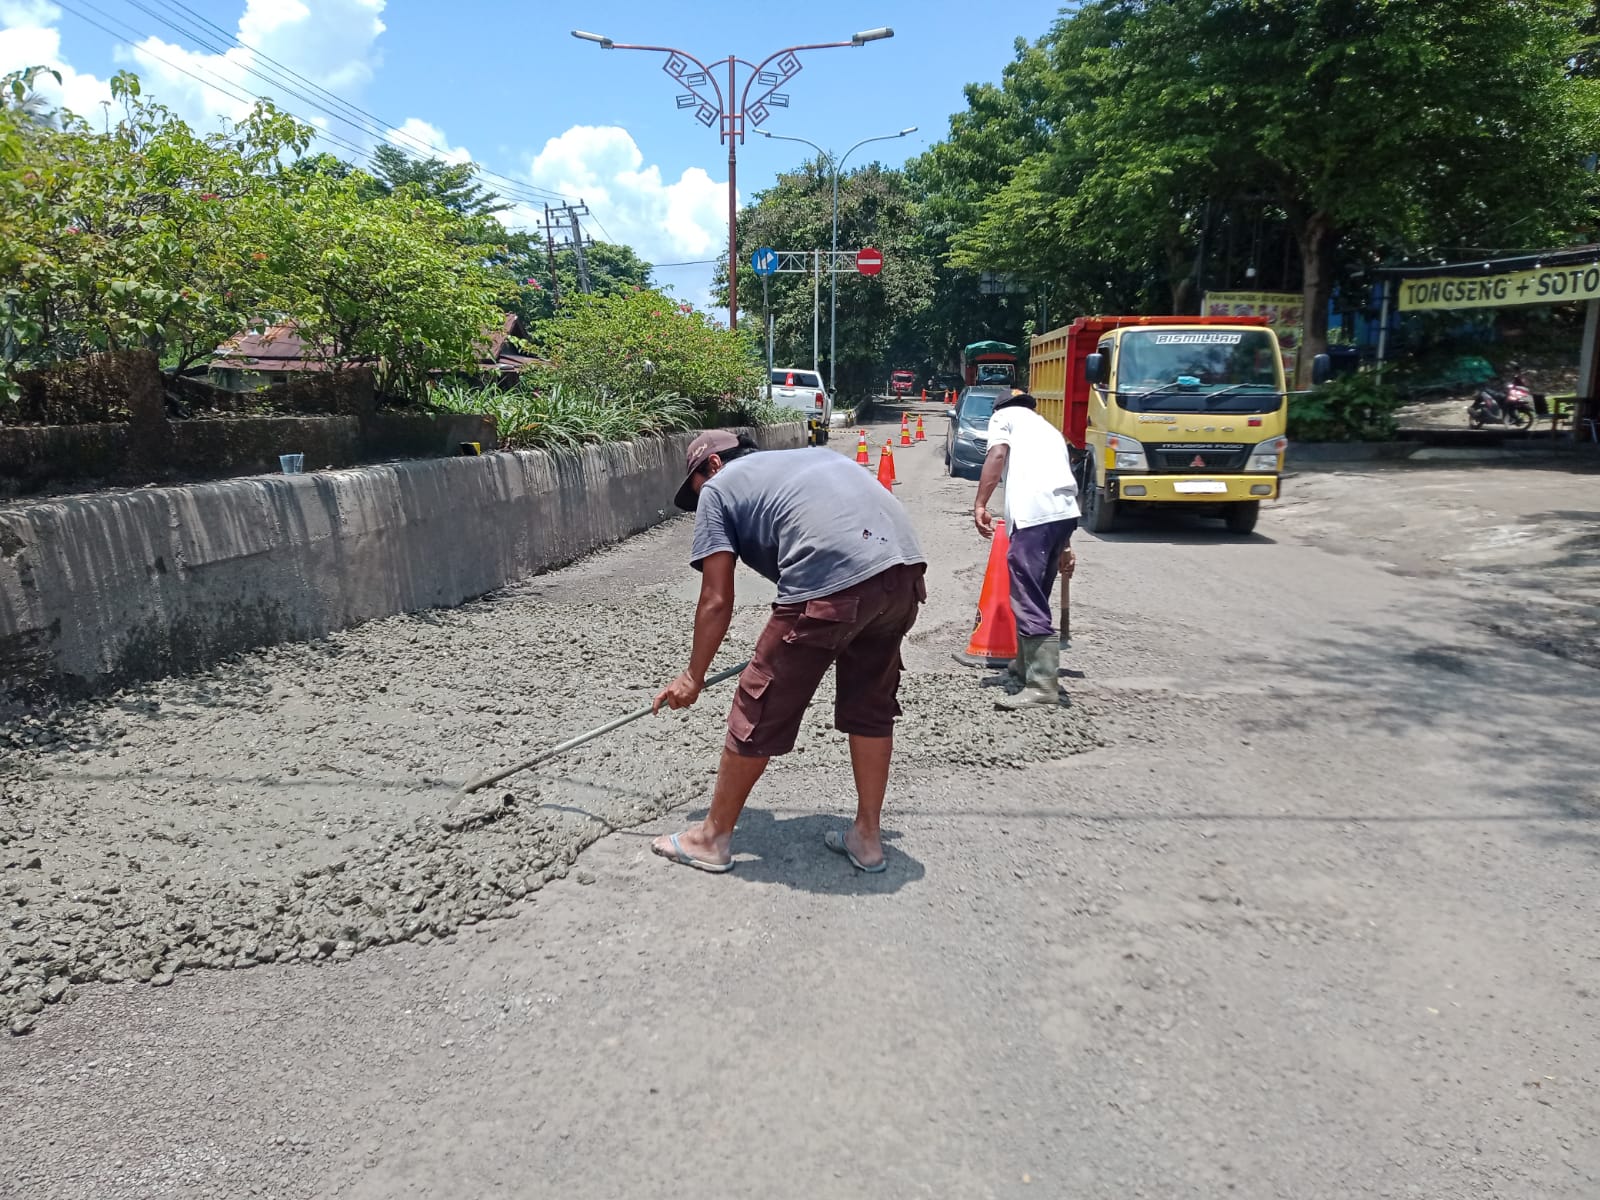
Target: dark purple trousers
1034,559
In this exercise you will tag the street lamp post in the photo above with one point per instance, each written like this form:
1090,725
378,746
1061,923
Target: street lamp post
729,111
836,165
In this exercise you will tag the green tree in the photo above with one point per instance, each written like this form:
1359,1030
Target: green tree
387,279
875,209
1006,188
148,234
613,271
454,185
1357,122
137,236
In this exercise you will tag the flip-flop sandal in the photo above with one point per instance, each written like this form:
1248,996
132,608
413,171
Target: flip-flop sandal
834,840
680,855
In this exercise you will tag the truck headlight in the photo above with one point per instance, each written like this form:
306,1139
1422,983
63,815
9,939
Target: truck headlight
1268,456
1124,454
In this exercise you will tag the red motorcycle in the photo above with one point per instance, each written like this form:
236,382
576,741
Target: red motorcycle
1509,404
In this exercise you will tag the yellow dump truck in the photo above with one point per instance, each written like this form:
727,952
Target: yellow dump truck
1188,411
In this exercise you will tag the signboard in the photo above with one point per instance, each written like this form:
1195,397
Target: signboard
1284,312
869,261
764,261
996,283
1542,285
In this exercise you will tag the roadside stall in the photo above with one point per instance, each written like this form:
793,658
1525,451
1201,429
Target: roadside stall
1564,276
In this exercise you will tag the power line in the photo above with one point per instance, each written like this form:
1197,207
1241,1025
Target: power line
217,84
356,109
362,120
696,262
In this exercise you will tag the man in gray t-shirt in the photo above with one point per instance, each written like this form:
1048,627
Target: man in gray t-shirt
849,574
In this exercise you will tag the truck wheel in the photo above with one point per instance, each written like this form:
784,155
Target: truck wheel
822,435
1099,509
1241,517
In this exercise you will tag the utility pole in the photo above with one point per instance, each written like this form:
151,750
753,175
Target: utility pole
550,247
766,320
574,211
816,310
568,214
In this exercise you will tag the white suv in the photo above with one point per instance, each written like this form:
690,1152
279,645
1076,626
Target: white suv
801,390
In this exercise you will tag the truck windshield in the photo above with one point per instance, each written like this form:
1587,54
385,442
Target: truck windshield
1198,370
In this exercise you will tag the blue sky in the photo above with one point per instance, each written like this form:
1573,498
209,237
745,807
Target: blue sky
508,86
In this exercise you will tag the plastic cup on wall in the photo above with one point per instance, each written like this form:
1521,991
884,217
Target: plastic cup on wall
292,464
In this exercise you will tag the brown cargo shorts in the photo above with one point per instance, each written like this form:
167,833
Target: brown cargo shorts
859,630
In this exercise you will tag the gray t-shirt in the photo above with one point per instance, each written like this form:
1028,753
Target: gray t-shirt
811,521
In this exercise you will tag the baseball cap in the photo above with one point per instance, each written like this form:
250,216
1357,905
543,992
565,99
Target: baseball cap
712,441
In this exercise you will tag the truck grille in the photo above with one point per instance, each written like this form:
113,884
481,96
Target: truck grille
1198,456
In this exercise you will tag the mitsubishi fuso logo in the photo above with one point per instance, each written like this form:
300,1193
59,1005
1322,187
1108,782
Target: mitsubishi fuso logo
1197,461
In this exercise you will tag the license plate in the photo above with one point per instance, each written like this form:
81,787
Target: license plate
1203,487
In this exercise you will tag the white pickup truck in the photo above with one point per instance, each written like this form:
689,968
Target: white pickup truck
802,391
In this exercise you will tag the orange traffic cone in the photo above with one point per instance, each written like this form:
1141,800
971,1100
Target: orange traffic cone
924,395
921,437
994,637
905,429
886,467
862,457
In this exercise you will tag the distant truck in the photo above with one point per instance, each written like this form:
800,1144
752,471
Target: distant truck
989,363
1168,410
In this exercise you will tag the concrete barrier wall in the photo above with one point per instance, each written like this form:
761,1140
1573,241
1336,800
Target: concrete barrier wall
104,589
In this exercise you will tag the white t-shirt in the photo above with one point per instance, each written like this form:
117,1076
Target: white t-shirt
1038,477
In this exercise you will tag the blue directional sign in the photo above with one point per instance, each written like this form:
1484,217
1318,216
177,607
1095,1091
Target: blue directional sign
765,261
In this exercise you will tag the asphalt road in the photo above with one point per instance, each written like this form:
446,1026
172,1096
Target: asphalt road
1317,919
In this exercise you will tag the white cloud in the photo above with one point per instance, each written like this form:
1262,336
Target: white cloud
664,222
332,45
417,133
28,38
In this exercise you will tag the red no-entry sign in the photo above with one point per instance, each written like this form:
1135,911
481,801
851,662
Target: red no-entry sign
869,261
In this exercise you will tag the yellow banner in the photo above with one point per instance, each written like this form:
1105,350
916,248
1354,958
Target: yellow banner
1545,285
1284,312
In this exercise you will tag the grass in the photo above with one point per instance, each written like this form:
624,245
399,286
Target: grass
562,418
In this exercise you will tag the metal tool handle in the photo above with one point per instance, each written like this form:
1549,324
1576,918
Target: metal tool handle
574,743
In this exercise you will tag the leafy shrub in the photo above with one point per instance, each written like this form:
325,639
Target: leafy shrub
757,411
644,341
1355,408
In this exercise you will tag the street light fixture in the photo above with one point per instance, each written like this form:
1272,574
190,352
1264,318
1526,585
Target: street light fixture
729,111
833,278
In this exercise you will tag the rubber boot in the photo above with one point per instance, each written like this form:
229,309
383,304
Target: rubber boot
1017,668
1042,658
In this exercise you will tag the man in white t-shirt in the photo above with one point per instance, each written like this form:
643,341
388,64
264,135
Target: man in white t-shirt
1030,456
